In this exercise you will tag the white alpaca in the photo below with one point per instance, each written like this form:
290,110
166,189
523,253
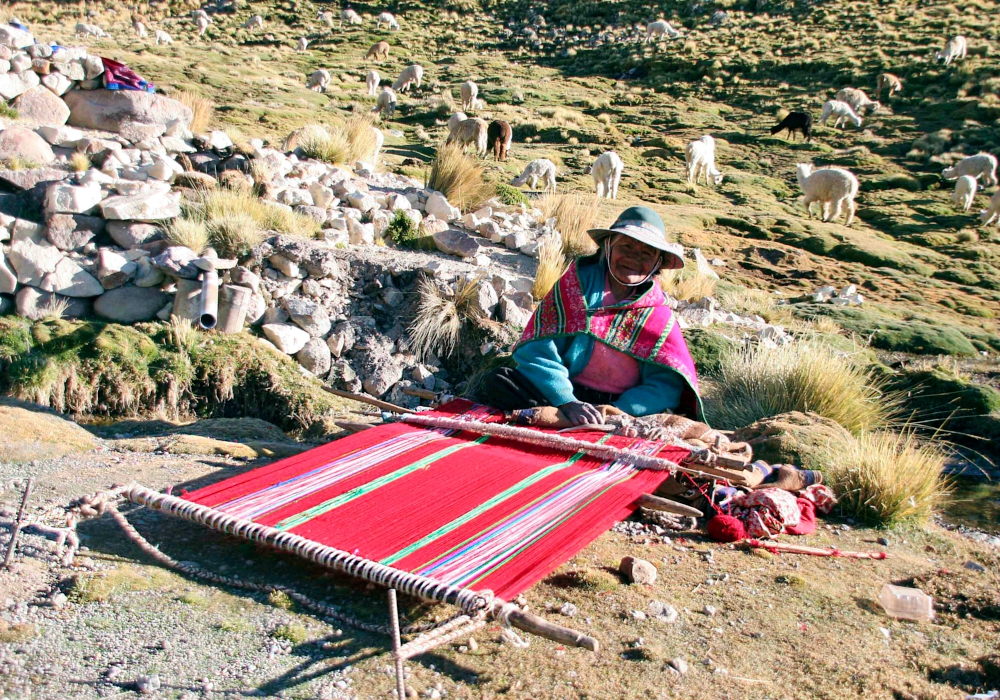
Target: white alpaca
700,158
888,80
980,165
660,28
469,92
387,19
470,132
965,192
607,173
411,75
351,17
254,23
318,80
386,102
202,24
140,29
842,111
830,187
372,81
957,47
456,119
84,29
326,17
163,38
379,140
992,213
302,45
859,101
541,169
196,14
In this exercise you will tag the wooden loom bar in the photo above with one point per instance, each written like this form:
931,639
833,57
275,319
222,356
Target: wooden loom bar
543,628
363,398
12,544
648,500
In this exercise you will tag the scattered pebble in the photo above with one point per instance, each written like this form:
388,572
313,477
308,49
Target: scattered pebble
678,665
147,685
709,610
568,609
884,541
637,570
974,566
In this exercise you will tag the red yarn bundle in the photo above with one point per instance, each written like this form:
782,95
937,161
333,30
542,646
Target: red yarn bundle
726,528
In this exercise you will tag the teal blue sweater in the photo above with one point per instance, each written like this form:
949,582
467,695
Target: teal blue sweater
552,363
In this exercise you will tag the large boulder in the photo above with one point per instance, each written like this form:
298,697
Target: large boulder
287,338
34,304
130,304
309,316
14,84
15,38
72,231
455,242
24,144
40,105
32,256
29,432
110,110
63,198
71,280
130,234
807,440
315,356
145,206
29,178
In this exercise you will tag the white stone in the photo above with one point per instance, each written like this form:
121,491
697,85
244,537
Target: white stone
61,198
287,338
8,278
284,265
704,267
172,144
824,294
63,136
219,140
71,280
164,169
362,201
438,206
15,38
58,83
14,84
147,206
32,256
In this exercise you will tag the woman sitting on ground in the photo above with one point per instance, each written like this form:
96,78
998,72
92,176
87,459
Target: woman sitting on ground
604,336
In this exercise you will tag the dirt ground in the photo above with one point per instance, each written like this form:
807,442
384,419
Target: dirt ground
783,627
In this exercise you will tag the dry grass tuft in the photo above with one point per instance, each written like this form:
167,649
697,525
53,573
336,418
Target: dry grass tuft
551,266
575,214
441,315
888,478
459,178
686,284
356,140
56,309
190,233
225,204
757,382
202,107
79,162
234,234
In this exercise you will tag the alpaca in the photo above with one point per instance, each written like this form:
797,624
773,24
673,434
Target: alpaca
830,187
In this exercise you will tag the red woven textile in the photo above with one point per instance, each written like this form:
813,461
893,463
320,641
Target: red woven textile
468,510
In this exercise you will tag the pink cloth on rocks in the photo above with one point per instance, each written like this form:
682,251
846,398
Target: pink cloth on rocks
608,369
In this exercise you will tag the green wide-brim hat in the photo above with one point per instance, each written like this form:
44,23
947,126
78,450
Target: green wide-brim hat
644,225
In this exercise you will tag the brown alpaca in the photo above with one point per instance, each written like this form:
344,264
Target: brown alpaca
380,51
498,137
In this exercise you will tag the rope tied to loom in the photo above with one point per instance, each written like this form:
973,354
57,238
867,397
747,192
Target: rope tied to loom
502,615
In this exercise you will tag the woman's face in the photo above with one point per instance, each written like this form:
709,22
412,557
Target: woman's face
631,261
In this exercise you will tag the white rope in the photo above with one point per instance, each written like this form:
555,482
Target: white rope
502,615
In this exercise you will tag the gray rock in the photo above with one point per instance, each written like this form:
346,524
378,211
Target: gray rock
24,144
34,304
145,206
109,110
455,242
308,315
57,83
678,665
392,297
287,338
8,278
114,270
131,234
485,300
512,314
315,357
178,261
32,256
72,231
275,314
382,379
28,179
342,339
64,198
71,280
637,570
146,275
15,38
14,84
245,278
40,106
130,304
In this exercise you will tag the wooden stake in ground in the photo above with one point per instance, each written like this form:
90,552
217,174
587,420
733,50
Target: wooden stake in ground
9,557
364,398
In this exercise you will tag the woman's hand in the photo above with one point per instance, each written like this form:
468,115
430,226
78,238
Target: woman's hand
580,413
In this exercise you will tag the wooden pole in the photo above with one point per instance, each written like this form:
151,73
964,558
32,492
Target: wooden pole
9,557
648,500
543,628
396,646
353,426
364,398
421,393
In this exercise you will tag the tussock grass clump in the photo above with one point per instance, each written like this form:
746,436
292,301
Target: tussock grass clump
575,215
226,214
187,232
888,478
686,284
79,162
560,116
16,632
202,108
441,316
459,178
758,382
510,195
355,140
234,235
551,266
99,588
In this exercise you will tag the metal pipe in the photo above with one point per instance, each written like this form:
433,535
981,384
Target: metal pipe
209,299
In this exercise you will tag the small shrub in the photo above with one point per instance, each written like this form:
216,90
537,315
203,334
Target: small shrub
190,233
758,382
221,204
202,108
79,162
551,266
18,163
294,633
686,284
459,178
888,478
98,588
575,215
7,112
401,229
55,309
510,195
280,599
441,315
